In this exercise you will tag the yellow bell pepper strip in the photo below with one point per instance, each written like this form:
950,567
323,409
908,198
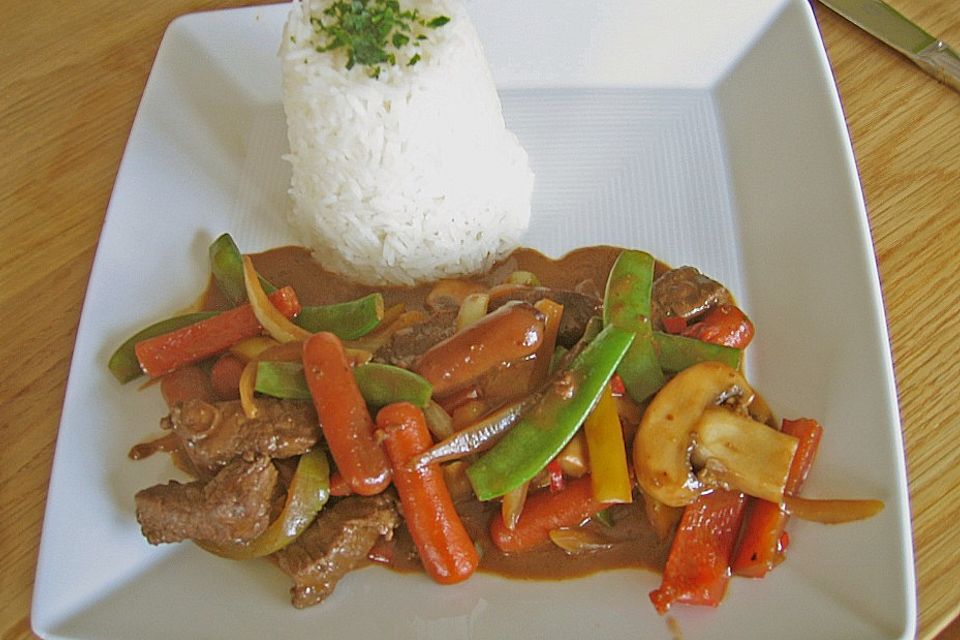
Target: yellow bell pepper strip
226,265
607,452
626,304
553,314
677,353
123,364
346,320
308,492
544,430
380,384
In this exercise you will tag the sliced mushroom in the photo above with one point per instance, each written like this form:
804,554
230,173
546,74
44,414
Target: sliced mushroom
739,453
681,428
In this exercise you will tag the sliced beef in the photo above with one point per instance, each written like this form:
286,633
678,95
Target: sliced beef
685,293
408,343
213,434
578,308
337,542
232,507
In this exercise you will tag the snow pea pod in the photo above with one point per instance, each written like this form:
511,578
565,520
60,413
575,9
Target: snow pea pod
626,304
380,384
347,320
543,431
226,264
123,364
676,353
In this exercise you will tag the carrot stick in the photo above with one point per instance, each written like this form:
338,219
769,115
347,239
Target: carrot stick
200,340
698,567
344,419
446,550
543,512
760,548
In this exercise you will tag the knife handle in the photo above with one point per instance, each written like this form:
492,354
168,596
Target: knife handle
941,62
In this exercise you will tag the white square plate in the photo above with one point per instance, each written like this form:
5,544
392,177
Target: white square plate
707,133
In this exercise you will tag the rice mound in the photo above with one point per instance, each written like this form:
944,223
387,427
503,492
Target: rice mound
410,177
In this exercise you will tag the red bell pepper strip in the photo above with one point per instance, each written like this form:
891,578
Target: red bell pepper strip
200,340
698,567
761,548
725,324
544,511
344,419
446,550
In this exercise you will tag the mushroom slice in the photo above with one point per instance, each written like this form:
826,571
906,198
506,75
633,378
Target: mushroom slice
664,442
738,453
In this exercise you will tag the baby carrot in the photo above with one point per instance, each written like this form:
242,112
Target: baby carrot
446,550
344,419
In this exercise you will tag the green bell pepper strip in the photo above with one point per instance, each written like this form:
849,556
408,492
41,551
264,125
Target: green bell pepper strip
123,364
543,431
380,384
308,492
626,304
676,353
226,264
347,320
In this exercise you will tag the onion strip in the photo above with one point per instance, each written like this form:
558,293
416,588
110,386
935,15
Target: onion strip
831,511
279,327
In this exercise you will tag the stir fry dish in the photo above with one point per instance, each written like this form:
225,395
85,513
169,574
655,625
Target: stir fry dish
547,419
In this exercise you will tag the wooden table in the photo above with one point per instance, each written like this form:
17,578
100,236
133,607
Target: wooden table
71,76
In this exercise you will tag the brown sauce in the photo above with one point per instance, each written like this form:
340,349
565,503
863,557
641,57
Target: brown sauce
634,544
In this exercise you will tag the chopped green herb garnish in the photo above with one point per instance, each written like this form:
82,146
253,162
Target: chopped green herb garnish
366,29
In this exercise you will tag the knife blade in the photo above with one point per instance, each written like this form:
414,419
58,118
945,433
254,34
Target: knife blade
890,27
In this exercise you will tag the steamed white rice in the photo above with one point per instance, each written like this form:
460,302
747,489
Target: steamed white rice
410,177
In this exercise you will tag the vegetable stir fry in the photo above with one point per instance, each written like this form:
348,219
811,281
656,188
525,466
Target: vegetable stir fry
475,425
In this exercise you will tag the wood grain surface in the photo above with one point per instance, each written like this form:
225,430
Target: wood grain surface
71,77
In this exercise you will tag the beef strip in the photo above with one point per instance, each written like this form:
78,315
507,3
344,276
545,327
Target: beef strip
578,307
336,543
232,507
213,434
408,343
685,293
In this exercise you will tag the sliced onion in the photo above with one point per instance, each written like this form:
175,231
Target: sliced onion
473,307
512,505
439,421
578,541
251,348
831,511
274,322
248,383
